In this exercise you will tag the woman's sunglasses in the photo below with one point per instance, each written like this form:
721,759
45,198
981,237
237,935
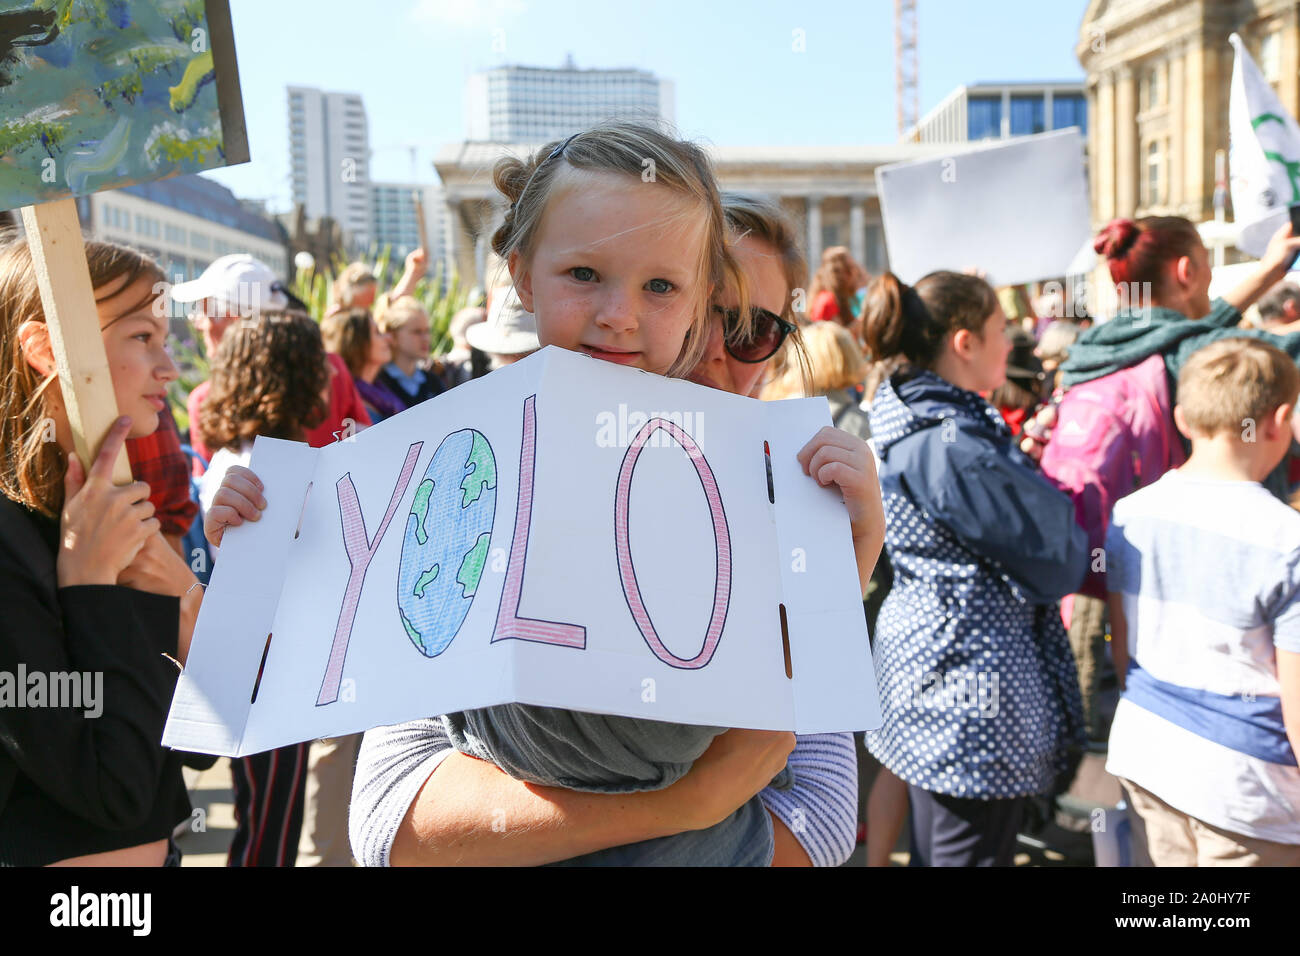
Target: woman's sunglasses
767,332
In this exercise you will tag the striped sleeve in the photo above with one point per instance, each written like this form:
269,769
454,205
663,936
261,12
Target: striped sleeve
392,765
821,809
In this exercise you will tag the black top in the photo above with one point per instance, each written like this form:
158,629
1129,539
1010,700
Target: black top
428,389
72,784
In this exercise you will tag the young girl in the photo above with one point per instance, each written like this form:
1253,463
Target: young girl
269,377
92,592
623,269
977,684
403,813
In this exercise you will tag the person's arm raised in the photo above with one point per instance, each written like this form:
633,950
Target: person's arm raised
468,812
1273,265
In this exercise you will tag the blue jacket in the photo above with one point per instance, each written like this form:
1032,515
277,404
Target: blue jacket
978,684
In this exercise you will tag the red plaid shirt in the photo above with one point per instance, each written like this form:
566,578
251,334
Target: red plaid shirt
157,459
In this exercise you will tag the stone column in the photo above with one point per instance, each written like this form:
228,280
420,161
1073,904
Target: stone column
1174,160
857,229
814,232
1101,149
1126,145
1006,113
1288,83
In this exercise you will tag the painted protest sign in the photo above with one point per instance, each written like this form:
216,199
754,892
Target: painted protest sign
526,539
96,94
1017,210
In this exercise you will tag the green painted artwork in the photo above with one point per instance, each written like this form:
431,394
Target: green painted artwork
96,94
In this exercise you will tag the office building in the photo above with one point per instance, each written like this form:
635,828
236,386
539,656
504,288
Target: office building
329,153
1000,110
531,104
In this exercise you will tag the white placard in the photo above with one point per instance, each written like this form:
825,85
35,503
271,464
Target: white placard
1016,210
527,538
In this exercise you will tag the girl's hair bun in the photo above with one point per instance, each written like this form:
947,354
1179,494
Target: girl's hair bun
1116,238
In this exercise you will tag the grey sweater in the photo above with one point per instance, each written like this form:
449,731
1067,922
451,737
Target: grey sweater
394,763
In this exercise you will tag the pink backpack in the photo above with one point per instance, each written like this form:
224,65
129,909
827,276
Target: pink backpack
1113,435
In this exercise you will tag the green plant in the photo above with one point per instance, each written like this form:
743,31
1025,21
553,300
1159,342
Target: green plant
440,299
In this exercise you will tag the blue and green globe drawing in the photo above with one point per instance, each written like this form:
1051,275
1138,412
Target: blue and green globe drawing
446,542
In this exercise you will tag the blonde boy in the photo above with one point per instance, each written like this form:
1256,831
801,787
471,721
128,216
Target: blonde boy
1204,572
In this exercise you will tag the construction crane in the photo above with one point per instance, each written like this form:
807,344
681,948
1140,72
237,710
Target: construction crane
906,94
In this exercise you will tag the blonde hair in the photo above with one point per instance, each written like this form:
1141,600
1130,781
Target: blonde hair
1234,380
31,468
630,149
392,314
835,361
344,288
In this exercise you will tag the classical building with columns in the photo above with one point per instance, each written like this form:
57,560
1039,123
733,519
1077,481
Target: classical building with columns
1158,73
829,191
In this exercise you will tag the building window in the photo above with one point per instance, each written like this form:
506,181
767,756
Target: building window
1270,57
1153,178
983,117
1027,115
1070,109
1151,88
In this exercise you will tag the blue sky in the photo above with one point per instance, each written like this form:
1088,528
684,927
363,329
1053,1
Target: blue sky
738,79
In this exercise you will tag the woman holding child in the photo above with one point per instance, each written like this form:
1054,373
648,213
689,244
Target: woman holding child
647,294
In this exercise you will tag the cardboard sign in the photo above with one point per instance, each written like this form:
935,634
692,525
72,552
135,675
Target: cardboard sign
1016,210
96,95
528,537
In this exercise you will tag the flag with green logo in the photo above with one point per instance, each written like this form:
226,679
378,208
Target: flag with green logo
1264,155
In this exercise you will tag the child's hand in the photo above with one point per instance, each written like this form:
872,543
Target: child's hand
836,457
239,497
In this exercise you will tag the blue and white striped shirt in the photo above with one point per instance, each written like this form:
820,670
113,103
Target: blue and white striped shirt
1209,573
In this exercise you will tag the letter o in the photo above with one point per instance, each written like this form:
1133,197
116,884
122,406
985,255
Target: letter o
721,539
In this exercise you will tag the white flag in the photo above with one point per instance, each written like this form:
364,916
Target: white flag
1264,154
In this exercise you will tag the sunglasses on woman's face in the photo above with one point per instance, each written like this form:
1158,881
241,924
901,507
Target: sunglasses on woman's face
767,332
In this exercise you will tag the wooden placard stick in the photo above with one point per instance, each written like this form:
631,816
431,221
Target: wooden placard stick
419,219
68,297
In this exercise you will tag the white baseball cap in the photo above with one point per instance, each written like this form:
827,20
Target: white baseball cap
509,330
237,281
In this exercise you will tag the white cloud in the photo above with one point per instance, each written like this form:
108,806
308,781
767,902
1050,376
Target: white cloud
466,13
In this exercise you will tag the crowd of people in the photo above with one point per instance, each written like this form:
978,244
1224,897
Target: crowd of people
1036,501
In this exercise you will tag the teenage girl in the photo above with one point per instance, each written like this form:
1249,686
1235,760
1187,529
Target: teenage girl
94,597
977,683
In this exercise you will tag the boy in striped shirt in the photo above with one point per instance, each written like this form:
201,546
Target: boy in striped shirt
1203,569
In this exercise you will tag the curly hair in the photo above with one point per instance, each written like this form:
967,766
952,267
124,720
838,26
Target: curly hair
269,376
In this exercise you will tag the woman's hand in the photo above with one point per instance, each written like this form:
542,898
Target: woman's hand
238,499
158,569
737,765
834,457
1273,265
1038,432
1281,251
103,526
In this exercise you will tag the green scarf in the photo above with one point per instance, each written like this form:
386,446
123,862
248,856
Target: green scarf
1130,337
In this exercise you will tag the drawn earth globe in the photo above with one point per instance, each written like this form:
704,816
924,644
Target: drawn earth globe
444,549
